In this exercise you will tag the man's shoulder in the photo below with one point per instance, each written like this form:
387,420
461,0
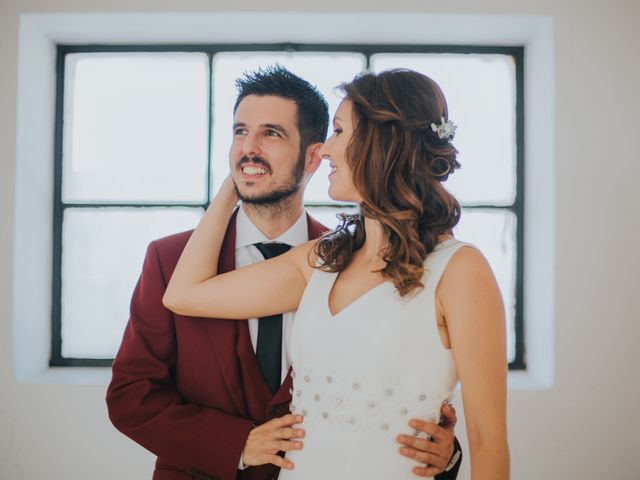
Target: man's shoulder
173,242
316,228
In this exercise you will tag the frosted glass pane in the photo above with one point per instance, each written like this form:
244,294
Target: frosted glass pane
494,233
135,127
103,250
481,95
325,70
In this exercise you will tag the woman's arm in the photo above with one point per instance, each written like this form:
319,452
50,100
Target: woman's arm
472,306
265,288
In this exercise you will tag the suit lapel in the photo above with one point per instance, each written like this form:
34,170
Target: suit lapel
223,334
315,228
257,391
284,392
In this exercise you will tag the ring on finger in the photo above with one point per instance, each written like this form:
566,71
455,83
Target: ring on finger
430,438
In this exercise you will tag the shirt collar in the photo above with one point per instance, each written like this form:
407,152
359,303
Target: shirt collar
248,234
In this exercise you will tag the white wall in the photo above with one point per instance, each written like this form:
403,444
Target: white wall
584,426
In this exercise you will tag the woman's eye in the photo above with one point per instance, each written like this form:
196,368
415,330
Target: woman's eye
337,131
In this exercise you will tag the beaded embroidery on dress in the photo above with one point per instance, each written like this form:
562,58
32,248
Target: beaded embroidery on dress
351,377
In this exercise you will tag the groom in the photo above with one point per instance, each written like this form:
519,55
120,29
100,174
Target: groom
204,395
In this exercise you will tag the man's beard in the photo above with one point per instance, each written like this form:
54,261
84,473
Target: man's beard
278,196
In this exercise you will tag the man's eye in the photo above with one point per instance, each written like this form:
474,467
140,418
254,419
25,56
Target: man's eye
240,131
272,133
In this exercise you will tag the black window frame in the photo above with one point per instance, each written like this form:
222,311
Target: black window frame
368,50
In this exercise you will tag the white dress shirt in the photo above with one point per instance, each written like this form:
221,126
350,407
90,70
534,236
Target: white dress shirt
246,235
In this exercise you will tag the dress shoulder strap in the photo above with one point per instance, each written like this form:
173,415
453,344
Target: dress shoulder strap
437,261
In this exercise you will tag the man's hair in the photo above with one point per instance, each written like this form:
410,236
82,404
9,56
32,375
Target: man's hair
313,111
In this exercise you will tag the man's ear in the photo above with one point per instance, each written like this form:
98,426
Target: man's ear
312,158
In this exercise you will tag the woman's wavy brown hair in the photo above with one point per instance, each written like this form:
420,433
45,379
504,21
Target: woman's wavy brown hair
398,164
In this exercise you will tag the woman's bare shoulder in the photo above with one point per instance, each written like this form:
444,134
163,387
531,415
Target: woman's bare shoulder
304,257
467,266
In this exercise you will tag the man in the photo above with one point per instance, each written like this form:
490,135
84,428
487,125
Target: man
205,395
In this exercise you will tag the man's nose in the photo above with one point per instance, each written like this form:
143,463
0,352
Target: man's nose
250,145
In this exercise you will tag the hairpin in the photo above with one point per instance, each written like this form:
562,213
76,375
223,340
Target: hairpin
446,130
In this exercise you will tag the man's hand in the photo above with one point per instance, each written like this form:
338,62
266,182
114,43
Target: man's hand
436,449
264,442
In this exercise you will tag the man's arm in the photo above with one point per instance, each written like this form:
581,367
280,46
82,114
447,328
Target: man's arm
142,399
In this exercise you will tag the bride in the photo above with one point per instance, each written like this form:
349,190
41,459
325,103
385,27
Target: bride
392,310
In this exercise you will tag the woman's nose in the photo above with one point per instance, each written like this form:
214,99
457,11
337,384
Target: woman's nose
324,152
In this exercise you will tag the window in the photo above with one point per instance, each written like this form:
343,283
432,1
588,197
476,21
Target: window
141,145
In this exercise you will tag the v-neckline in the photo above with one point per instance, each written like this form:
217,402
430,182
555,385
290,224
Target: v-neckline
355,300
367,292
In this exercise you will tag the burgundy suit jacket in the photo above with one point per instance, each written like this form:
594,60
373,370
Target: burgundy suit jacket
190,389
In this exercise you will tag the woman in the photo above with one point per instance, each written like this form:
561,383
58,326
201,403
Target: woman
392,310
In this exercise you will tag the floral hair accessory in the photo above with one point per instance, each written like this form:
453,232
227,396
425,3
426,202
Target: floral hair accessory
446,130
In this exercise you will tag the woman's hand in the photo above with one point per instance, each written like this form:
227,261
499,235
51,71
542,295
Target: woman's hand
199,259
228,192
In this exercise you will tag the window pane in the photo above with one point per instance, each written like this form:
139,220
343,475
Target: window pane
481,95
325,70
103,250
494,233
135,127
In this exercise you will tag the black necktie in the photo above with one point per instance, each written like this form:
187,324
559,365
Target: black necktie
269,349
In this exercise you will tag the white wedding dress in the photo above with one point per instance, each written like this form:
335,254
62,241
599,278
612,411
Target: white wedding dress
360,375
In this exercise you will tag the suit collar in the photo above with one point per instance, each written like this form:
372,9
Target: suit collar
315,228
247,233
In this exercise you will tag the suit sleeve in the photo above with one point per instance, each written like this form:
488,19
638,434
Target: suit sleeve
453,473
142,399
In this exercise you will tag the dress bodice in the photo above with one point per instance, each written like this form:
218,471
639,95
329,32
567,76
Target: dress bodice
360,375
